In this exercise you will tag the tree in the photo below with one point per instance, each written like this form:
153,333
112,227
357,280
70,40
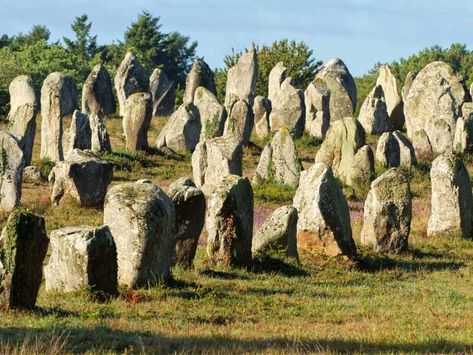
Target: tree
84,45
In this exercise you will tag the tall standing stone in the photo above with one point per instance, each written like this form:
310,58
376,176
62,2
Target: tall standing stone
211,112
142,220
136,121
189,202
58,99
22,92
160,87
324,218
287,103
388,213
407,85
394,104
24,244
374,116
395,150
452,200
339,81
317,109
261,112
12,162
241,79
129,79
97,94
199,75
239,122
230,222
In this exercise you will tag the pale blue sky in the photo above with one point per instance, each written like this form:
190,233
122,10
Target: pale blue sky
360,32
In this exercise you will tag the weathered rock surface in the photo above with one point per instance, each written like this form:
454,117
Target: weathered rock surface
279,161
287,103
374,116
463,138
100,140
388,213
142,220
12,164
129,79
230,222
189,202
33,174
136,121
97,94
211,112
407,85
339,81
452,200
79,134
241,79
22,92
261,112
422,147
317,109
83,176
58,99
395,150
279,231
82,257
394,104
239,122
22,125
159,87
24,244
199,75
182,132
324,219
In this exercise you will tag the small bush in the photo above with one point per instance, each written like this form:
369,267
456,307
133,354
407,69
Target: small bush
45,166
274,193
307,141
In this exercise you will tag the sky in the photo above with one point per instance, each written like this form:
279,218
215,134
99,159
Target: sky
361,32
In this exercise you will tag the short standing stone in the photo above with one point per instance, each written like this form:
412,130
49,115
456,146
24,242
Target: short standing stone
136,121
83,176
129,79
239,122
12,164
374,116
388,213
182,131
199,75
22,125
394,105
463,139
159,87
261,112
97,94
395,150
441,137
211,112
279,161
100,140
422,146
24,244
317,108
452,200
189,202
324,218
241,79
230,222
82,257
58,99
279,231
79,135
142,220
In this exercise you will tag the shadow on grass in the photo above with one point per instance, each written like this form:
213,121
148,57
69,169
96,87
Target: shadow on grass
268,264
125,161
224,275
105,339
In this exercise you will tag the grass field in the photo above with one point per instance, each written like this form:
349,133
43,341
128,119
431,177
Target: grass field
418,302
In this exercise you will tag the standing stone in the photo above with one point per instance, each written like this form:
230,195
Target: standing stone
83,176
279,231
58,99
97,94
33,175
199,75
22,92
136,121
342,88
394,105
182,131
422,147
395,150
12,164
374,116
388,213
434,104
279,161
82,257
230,222
24,244
215,158
79,134
241,79
159,86
317,109
239,122
340,151
261,112
130,79
452,200
100,140
189,202
211,112
324,218
287,103
463,139
407,85
142,220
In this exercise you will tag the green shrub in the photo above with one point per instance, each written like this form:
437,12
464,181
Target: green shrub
274,193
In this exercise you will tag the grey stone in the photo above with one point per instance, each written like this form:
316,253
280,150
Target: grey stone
317,109
394,104
395,150
23,92
407,85
463,138
33,174
97,94
136,121
422,146
22,125
11,170
79,134
160,87
199,75
373,115
261,112
100,140
241,79
211,112
239,122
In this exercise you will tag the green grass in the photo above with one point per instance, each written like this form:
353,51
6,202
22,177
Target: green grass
273,193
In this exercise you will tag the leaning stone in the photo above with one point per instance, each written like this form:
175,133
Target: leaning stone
374,116
241,79
83,176
136,121
230,222
199,75
24,245
261,112
160,87
142,220
395,150
211,112
388,213
82,257
324,218
97,94
22,125
11,164
317,109
394,105
452,200
279,231
239,122
189,202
